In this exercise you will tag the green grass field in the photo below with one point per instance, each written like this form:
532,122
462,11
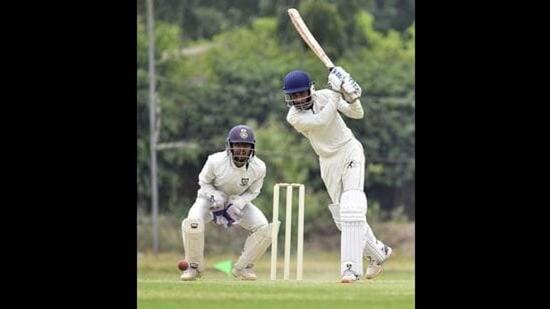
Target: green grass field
159,286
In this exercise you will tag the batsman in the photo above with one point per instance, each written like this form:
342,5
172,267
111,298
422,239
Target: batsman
229,181
316,115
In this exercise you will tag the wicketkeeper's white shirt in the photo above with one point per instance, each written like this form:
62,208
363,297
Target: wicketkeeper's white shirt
220,173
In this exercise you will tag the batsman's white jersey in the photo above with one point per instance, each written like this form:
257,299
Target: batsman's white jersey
332,140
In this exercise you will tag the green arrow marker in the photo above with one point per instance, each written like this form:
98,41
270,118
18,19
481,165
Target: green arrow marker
224,266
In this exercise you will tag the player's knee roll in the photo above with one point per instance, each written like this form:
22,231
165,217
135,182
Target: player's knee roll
353,206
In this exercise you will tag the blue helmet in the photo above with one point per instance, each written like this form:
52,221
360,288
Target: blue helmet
241,134
294,82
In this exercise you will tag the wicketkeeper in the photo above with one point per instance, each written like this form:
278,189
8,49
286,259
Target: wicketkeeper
229,181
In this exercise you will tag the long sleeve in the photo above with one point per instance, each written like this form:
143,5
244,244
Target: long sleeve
354,110
206,178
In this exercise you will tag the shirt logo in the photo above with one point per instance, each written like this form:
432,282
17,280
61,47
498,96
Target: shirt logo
243,134
244,181
352,164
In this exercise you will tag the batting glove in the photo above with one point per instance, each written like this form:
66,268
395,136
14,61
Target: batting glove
336,78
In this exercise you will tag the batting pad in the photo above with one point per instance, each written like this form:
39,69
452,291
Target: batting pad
373,247
353,206
255,245
193,242
351,247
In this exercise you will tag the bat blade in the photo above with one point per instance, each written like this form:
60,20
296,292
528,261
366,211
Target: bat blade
306,35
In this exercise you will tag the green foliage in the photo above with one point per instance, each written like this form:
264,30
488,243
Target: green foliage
206,86
326,25
201,17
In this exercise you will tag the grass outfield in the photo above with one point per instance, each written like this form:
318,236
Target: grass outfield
159,286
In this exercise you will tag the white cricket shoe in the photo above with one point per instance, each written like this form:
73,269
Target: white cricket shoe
190,274
375,268
348,277
244,274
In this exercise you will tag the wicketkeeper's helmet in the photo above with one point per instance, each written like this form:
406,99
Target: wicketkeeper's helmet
241,134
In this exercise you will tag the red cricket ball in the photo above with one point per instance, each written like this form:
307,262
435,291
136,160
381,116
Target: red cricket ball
183,264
